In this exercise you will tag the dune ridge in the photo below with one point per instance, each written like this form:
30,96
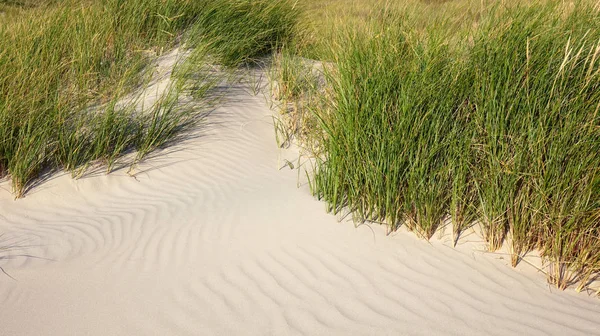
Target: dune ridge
212,236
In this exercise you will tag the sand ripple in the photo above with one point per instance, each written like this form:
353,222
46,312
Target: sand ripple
212,238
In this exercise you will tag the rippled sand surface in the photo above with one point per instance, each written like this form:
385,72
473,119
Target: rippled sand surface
212,237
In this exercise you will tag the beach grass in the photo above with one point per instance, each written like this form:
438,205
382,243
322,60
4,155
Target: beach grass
67,66
489,117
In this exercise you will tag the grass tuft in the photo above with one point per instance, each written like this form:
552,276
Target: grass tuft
489,117
67,68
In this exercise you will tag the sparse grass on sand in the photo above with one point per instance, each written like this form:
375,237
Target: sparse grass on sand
65,67
485,114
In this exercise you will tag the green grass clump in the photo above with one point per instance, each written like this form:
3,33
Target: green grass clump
536,98
241,31
66,68
490,119
390,126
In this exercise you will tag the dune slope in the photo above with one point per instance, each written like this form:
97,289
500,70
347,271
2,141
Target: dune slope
213,237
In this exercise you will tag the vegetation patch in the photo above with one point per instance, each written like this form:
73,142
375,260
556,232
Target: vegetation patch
65,68
490,117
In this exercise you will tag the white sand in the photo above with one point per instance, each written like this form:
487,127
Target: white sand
213,239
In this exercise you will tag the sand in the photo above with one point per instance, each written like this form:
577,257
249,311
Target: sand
214,237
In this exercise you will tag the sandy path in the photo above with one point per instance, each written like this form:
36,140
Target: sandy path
214,239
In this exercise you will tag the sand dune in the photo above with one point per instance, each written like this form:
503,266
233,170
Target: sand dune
213,238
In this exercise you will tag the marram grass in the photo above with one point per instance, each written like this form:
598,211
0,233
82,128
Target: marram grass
488,118
65,67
